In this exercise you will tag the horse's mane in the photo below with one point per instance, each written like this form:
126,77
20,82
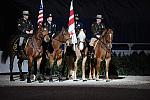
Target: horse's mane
106,31
37,32
59,33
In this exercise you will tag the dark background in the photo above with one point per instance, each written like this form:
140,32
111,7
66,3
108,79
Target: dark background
130,19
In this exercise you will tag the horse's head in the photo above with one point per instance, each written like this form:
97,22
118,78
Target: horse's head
108,36
65,34
43,33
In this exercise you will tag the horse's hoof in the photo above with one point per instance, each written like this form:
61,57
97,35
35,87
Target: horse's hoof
107,80
12,79
22,79
75,79
41,81
44,78
97,79
60,80
67,78
28,81
84,80
50,79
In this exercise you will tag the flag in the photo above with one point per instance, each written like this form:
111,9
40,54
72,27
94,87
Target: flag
71,25
40,16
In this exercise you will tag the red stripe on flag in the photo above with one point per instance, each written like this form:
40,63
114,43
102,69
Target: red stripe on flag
71,21
71,12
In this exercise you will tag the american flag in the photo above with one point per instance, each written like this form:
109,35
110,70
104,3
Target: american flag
40,16
71,25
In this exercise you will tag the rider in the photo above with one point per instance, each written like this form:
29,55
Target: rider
51,31
97,28
78,24
25,29
51,26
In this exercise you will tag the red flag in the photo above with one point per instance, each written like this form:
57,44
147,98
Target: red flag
71,25
40,16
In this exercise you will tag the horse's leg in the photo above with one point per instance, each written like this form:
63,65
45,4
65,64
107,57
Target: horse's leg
93,68
29,69
90,73
68,65
98,68
107,69
59,63
75,69
93,73
83,68
20,69
12,56
51,62
38,70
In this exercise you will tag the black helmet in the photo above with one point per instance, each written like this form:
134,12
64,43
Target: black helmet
50,15
76,16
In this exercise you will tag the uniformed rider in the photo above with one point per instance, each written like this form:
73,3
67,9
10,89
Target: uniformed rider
25,29
51,31
97,29
78,24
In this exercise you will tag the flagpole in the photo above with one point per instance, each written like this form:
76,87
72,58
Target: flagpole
71,25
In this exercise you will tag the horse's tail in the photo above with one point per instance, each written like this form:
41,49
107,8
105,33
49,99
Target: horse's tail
4,57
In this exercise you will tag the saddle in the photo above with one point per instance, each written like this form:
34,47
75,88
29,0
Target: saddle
20,50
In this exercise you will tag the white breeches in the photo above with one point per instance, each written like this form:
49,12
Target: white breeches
92,41
21,41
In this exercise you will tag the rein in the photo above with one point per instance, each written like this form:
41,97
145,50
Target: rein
104,44
59,40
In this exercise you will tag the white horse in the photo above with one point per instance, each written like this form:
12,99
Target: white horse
81,52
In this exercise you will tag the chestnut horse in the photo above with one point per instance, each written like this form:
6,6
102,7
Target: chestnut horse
32,51
102,51
58,52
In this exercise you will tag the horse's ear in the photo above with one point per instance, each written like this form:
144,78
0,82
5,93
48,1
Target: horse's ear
63,28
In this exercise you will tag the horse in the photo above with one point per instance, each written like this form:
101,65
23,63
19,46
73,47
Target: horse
32,51
58,52
70,58
81,51
102,51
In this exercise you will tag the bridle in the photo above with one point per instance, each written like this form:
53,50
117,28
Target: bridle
106,43
63,34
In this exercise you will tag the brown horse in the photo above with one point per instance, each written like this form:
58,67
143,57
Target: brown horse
34,50
102,51
57,54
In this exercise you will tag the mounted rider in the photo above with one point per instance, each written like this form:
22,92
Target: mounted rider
51,26
97,29
78,24
51,31
24,29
